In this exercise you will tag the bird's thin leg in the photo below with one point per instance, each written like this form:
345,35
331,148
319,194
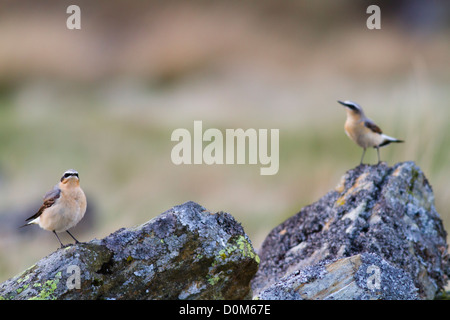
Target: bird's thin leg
76,241
62,246
364,152
378,152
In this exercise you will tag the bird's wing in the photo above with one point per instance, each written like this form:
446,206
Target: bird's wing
372,126
49,199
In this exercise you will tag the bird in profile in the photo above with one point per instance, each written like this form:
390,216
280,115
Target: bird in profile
63,206
363,131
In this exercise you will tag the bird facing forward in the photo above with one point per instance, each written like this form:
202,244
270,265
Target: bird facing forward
64,206
363,131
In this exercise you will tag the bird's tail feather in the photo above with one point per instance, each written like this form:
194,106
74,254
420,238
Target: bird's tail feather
26,224
29,223
388,140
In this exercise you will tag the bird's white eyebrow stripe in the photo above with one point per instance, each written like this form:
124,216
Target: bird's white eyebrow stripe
69,174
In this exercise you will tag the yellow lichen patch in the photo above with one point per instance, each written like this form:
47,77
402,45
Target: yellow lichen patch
48,288
340,201
360,183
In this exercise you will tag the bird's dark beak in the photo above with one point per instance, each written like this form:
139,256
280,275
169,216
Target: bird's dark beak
342,103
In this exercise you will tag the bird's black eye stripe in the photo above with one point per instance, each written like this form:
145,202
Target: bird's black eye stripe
70,174
350,105
353,107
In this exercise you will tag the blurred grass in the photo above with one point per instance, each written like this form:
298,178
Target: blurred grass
105,101
125,167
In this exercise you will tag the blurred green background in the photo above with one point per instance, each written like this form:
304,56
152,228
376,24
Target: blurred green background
105,99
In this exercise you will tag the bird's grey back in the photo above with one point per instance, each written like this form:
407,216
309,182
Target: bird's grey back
54,193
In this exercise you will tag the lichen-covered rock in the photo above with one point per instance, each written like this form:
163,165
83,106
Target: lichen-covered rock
364,277
185,253
386,211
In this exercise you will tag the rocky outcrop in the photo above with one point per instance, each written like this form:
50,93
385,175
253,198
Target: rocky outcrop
184,253
376,236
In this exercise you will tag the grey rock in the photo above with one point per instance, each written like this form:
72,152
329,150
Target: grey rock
385,211
364,277
186,252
